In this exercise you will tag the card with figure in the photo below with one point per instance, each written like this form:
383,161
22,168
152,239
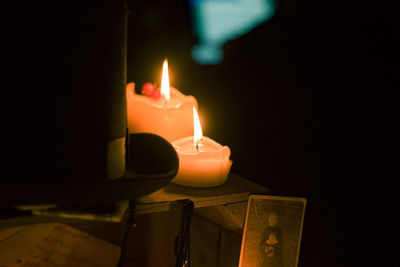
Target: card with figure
272,231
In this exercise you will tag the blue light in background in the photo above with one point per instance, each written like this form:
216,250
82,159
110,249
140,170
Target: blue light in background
217,21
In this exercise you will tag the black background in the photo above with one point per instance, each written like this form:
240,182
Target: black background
306,102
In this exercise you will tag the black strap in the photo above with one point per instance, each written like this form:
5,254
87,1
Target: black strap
131,222
184,252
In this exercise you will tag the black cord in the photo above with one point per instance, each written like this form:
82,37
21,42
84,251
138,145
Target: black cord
130,223
184,258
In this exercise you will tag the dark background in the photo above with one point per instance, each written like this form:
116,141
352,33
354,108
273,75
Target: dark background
63,88
306,102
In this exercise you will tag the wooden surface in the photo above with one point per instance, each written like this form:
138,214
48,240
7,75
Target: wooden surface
228,216
211,245
205,243
230,246
167,198
235,190
216,227
54,245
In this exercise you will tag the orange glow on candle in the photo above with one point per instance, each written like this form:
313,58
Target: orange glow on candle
198,133
165,90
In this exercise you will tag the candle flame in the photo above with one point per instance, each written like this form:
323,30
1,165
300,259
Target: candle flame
198,133
165,91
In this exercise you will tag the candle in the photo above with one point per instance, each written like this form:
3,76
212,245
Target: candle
169,116
202,161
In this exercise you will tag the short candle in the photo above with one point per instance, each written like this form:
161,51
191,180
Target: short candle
202,161
169,116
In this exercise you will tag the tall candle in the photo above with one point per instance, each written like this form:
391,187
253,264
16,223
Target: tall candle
202,161
169,116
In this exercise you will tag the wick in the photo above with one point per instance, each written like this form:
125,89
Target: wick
198,144
165,102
